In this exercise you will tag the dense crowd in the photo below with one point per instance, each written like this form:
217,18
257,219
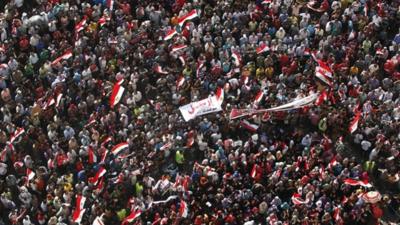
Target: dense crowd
71,155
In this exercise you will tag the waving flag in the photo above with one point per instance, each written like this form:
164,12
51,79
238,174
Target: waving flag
219,95
178,47
266,2
248,126
81,25
30,174
170,34
353,182
116,93
119,147
180,81
324,75
103,20
110,4
237,59
98,221
183,209
182,58
100,173
92,156
258,97
254,171
134,215
79,210
58,99
18,132
321,98
191,15
67,54
297,200
160,70
354,123
199,67
262,48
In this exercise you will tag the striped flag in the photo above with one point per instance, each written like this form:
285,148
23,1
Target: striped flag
191,15
297,200
321,98
353,182
248,126
183,209
180,81
220,95
110,4
199,67
266,2
79,210
98,221
108,139
178,47
119,147
104,156
30,174
134,215
58,99
81,25
116,93
324,75
160,70
92,156
67,54
262,48
354,123
254,171
170,34
182,58
258,97
103,20
18,132
100,173
237,59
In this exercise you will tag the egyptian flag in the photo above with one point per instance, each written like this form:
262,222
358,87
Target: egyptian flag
119,179
48,103
180,81
182,58
98,221
332,163
190,139
166,146
160,70
255,172
134,215
100,173
103,20
262,48
191,15
237,59
199,66
265,2
108,139
324,75
297,200
16,134
119,147
79,210
336,214
58,98
354,123
92,156
248,126
67,54
81,25
178,47
220,95
170,34
258,97
103,156
321,98
110,4
183,209
353,182
116,93
30,174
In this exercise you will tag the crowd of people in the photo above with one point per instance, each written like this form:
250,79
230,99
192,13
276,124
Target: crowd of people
91,131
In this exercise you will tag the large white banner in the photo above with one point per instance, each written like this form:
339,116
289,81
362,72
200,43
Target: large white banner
202,107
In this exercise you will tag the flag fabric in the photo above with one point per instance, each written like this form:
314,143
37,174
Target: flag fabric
336,214
297,200
119,147
332,163
30,174
67,54
108,139
262,48
58,99
258,97
220,95
103,20
178,47
199,67
323,96
134,215
183,209
81,25
49,102
170,34
92,156
182,58
160,70
180,81
354,123
266,2
110,4
79,210
18,132
104,156
98,221
353,182
248,126
116,93
100,173
324,75
166,146
237,58
254,171
191,15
